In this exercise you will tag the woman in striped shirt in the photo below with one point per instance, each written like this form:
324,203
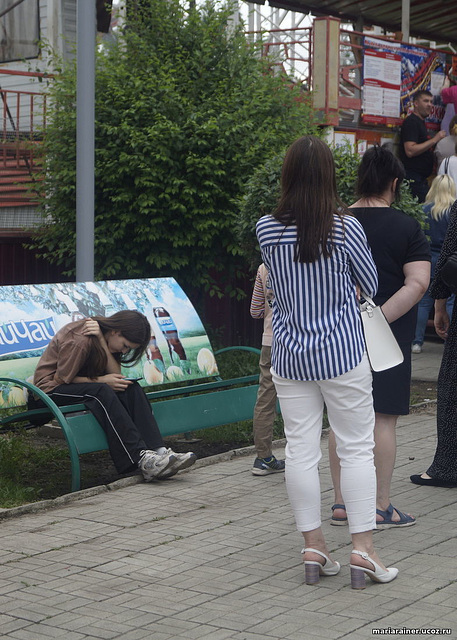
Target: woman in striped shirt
317,257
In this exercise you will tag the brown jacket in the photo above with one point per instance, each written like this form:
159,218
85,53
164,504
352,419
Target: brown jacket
64,358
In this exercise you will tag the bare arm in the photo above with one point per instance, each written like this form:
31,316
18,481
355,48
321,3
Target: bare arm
417,279
446,83
441,318
413,149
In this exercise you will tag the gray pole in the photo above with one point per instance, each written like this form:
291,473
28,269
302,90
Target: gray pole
405,12
85,146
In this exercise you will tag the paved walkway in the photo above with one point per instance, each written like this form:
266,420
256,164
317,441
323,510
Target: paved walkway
425,365
214,554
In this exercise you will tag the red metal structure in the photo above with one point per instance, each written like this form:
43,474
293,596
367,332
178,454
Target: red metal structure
22,122
23,119
306,55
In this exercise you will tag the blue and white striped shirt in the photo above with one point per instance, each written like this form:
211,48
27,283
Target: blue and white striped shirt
317,330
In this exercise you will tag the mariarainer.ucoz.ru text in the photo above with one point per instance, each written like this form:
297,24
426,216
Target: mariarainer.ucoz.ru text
405,631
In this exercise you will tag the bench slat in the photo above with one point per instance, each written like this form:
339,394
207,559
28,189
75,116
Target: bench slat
181,415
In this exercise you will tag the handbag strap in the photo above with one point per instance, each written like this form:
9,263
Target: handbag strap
446,165
367,298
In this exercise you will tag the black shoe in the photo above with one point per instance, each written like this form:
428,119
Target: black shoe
432,482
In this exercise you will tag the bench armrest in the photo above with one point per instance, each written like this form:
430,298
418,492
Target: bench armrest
50,404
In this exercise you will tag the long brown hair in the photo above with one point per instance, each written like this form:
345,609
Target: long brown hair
308,197
134,327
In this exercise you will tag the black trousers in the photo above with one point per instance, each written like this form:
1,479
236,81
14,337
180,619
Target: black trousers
126,418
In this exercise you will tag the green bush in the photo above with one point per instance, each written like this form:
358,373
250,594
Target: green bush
186,108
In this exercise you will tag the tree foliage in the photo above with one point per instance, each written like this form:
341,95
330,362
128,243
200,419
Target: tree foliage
186,110
262,193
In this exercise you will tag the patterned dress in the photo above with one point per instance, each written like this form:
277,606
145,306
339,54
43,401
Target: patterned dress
444,465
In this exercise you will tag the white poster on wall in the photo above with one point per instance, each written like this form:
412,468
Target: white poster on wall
381,87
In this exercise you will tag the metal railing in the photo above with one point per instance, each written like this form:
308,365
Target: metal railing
22,122
22,112
350,75
288,49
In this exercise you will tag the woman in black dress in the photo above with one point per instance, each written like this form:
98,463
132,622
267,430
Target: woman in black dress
443,470
402,256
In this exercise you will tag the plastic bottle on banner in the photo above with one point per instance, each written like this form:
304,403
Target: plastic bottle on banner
170,333
154,367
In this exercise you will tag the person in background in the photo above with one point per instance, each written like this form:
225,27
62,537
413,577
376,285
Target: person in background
316,257
438,203
265,407
416,147
449,93
443,470
446,147
449,166
82,364
402,256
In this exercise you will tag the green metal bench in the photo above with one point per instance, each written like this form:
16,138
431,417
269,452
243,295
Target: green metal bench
194,404
177,410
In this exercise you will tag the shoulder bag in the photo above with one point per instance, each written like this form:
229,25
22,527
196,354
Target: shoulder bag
382,348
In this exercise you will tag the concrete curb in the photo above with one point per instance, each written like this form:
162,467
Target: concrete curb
35,507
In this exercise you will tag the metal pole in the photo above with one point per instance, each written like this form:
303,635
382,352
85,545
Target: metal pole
405,13
85,146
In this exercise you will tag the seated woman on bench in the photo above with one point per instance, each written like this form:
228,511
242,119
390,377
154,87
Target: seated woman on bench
82,364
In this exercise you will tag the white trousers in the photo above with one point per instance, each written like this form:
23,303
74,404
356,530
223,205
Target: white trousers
349,403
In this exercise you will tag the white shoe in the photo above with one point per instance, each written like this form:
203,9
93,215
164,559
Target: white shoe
182,461
416,348
151,463
378,575
314,569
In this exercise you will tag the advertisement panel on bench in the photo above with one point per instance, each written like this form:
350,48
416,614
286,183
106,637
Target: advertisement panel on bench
179,348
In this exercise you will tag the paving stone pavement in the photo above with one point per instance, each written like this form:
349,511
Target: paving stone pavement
213,554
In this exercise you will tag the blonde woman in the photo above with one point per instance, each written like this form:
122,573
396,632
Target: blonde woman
438,203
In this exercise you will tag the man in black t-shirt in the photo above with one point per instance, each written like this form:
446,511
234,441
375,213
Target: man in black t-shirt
415,145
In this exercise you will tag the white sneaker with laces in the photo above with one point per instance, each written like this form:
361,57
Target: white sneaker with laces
416,348
182,461
151,463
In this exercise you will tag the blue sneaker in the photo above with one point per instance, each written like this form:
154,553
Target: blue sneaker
265,466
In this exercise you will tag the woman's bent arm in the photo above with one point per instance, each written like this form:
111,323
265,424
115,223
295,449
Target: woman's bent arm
417,280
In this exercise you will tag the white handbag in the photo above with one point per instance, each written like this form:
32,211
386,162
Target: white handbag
382,348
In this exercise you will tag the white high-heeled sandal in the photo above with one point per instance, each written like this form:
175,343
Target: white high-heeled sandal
314,569
378,575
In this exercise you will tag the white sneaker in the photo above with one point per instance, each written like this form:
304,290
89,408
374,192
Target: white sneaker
182,461
151,463
416,348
